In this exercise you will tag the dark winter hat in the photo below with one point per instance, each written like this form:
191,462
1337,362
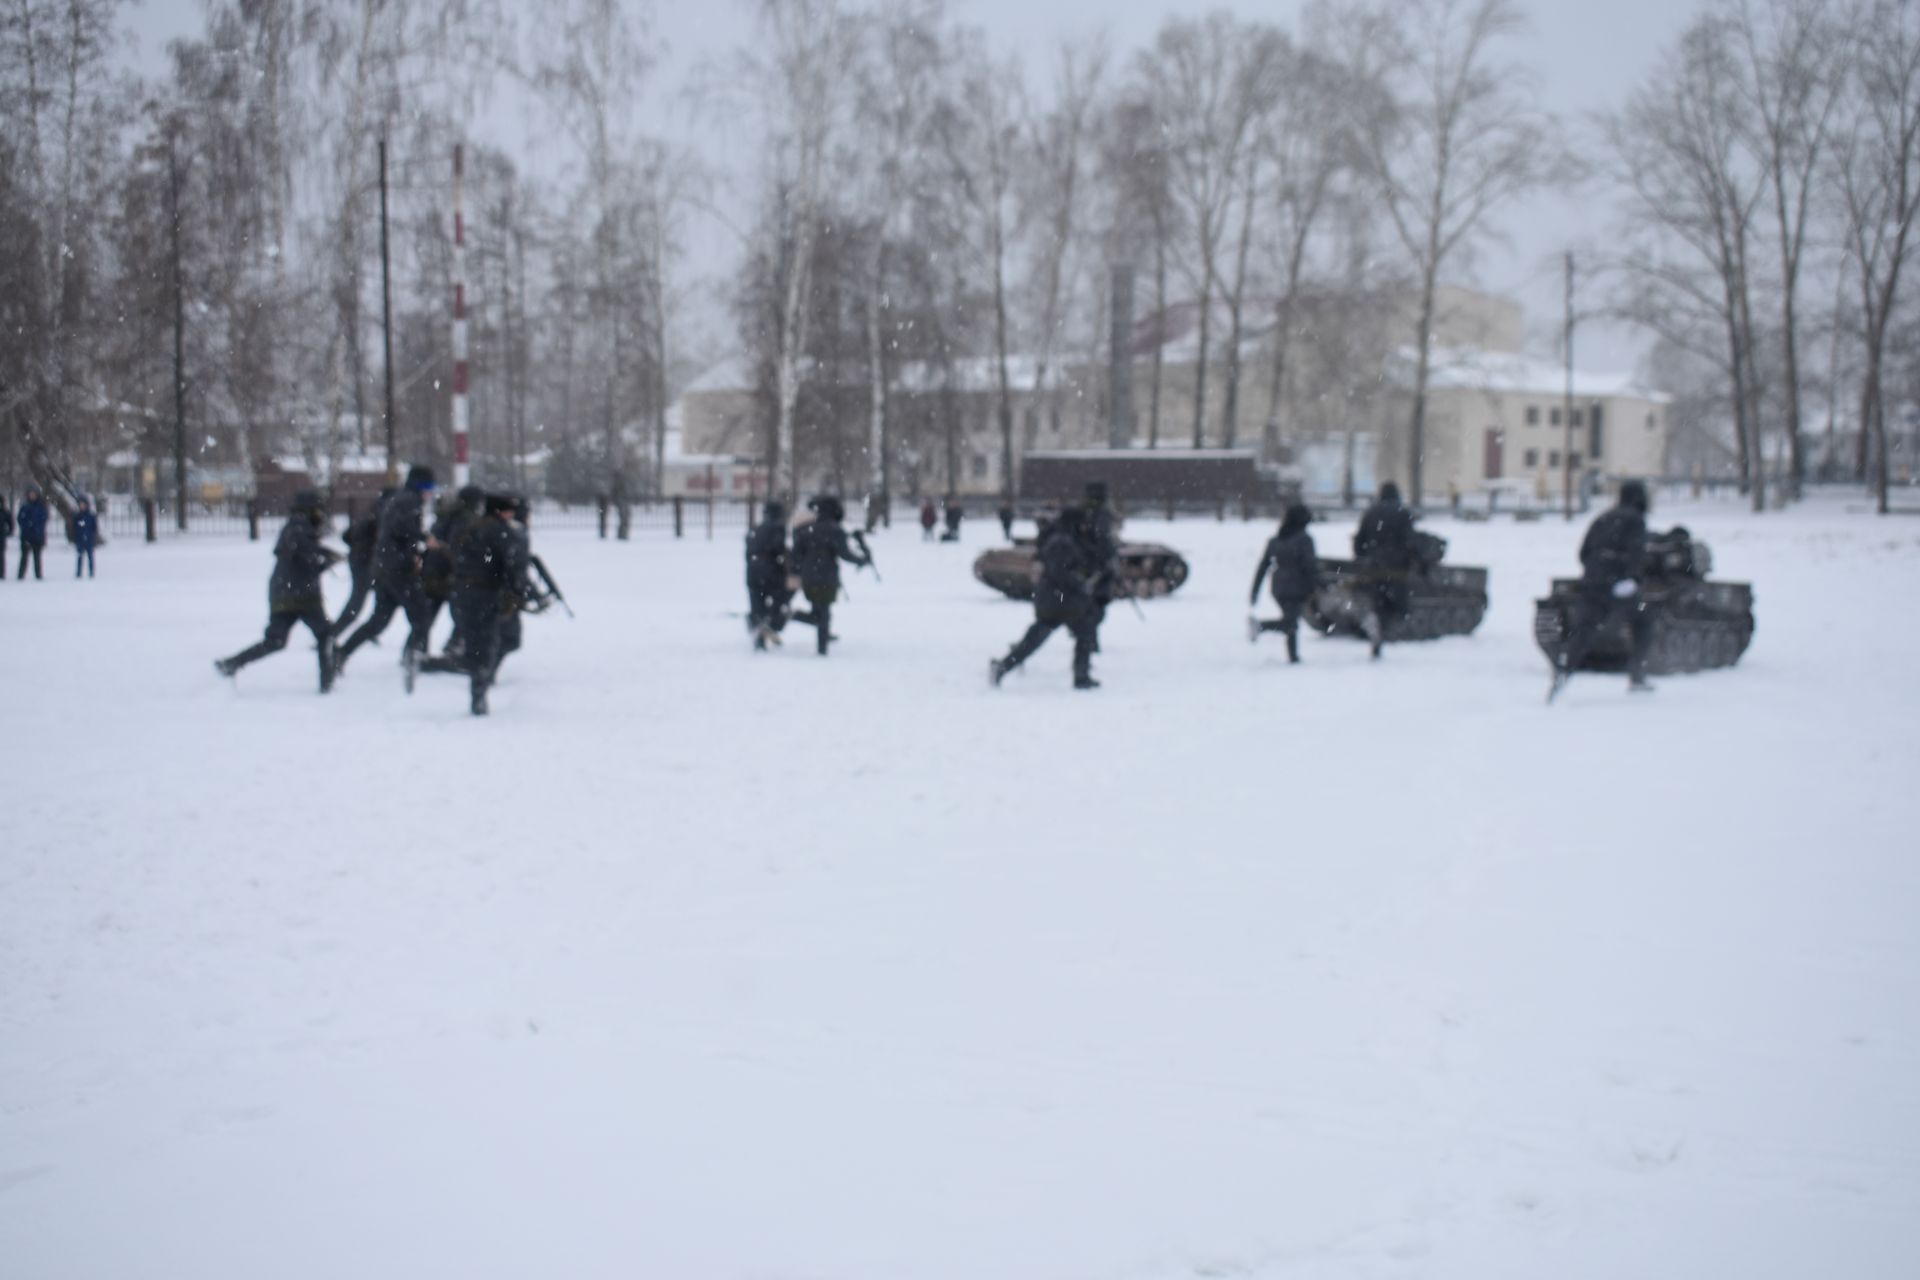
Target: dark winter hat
1634,494
419,477
472,495
774,511
828,507
306,500
84,501
1299,516
498,502
1389,492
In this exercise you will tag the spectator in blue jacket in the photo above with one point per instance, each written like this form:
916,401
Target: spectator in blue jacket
33,531
86,536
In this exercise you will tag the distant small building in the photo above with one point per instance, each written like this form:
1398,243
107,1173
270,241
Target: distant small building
1501,422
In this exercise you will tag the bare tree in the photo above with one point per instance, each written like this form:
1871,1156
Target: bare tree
1678,150
1795,74
1206,81
1877,162
979,135
805,47
1464,137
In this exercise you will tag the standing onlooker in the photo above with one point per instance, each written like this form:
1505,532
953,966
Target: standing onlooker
6,532
33,530
928,518
86,536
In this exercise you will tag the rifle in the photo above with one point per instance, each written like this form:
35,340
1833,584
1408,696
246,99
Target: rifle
860,540
553,588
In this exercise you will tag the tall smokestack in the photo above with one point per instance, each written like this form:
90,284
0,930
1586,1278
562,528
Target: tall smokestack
1120,372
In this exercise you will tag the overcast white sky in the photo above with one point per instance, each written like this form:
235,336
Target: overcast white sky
1586,56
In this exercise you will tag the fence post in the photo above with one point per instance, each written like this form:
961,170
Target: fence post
253,519
709,515
1169,507
679,515
150,509
626,518
600,501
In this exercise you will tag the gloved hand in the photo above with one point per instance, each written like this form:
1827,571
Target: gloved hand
1625,589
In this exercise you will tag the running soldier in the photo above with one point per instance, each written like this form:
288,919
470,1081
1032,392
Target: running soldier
1613,558
360,537
819,546
396,570
1296,576
1070,563
293,592
767,592
488,587
1383,545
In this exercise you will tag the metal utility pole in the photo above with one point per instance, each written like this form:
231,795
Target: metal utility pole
386,318
179,339
1566,454
1120,377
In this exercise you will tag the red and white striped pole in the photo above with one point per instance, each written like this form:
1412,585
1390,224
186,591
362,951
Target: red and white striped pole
460,469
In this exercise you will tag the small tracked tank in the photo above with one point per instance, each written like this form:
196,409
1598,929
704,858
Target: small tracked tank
1697,625
1147,568
1442,599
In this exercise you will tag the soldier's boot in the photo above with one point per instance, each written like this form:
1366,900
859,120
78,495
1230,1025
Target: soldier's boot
1253,629
1293,646
997,669
409,666
225,666
326,663
820,642
1639,684
1375,632
479,703
1081,680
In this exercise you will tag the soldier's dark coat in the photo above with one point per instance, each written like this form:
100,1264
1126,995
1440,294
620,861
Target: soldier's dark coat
1384,539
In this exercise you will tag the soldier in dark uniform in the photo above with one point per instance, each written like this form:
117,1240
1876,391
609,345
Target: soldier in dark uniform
488,583
818,548
1103,532
767,593
953,514
396,569
1613,558
1070,562
450,523
1296,576
1383,545
361,536
293,593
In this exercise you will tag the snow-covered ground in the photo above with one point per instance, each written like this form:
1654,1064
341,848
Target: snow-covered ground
690,963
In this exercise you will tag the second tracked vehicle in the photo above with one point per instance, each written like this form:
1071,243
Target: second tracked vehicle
1442,599
1147,569
1698,625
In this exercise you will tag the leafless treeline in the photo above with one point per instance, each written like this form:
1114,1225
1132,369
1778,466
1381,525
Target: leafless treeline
202,251
1770,180
930,214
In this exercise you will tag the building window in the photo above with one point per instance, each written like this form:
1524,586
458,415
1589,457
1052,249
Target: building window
1652,421
1533,457
979,466
1573,460
1576,418
1553,458
1596,434
1533,415
1553,417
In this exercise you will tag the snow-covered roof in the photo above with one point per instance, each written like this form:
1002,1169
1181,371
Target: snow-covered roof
731,374
1469,369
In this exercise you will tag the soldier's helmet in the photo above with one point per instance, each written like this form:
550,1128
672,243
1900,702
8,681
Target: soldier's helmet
1389,492
774,512
498,502
306,502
